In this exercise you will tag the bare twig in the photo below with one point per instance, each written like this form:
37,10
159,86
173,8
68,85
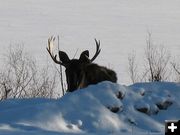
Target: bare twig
133,67
61,72
175,67
75,53
21,78
157,59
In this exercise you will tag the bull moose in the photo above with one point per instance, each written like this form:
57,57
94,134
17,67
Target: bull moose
82,72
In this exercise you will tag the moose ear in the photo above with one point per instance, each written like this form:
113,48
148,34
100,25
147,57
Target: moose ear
63,58
86,52
84,57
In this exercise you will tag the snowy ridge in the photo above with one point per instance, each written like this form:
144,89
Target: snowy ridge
105,108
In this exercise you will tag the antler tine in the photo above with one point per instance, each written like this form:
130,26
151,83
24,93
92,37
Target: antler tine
49,49
97,50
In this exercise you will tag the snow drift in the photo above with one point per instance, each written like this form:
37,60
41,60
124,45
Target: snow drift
105,108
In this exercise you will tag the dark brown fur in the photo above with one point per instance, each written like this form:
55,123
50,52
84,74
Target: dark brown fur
93,74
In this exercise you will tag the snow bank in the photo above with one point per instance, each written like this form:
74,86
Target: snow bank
105,108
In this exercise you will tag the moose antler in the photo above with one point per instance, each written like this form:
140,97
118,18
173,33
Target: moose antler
50,50
97,50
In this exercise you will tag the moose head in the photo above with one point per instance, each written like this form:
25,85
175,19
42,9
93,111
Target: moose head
80,72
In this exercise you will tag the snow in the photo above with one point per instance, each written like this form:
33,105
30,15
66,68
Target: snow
121,25
87,111
105,108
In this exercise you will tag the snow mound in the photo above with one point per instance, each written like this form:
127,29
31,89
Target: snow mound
105,108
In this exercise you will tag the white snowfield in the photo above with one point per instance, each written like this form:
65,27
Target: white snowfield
102,109
121,25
